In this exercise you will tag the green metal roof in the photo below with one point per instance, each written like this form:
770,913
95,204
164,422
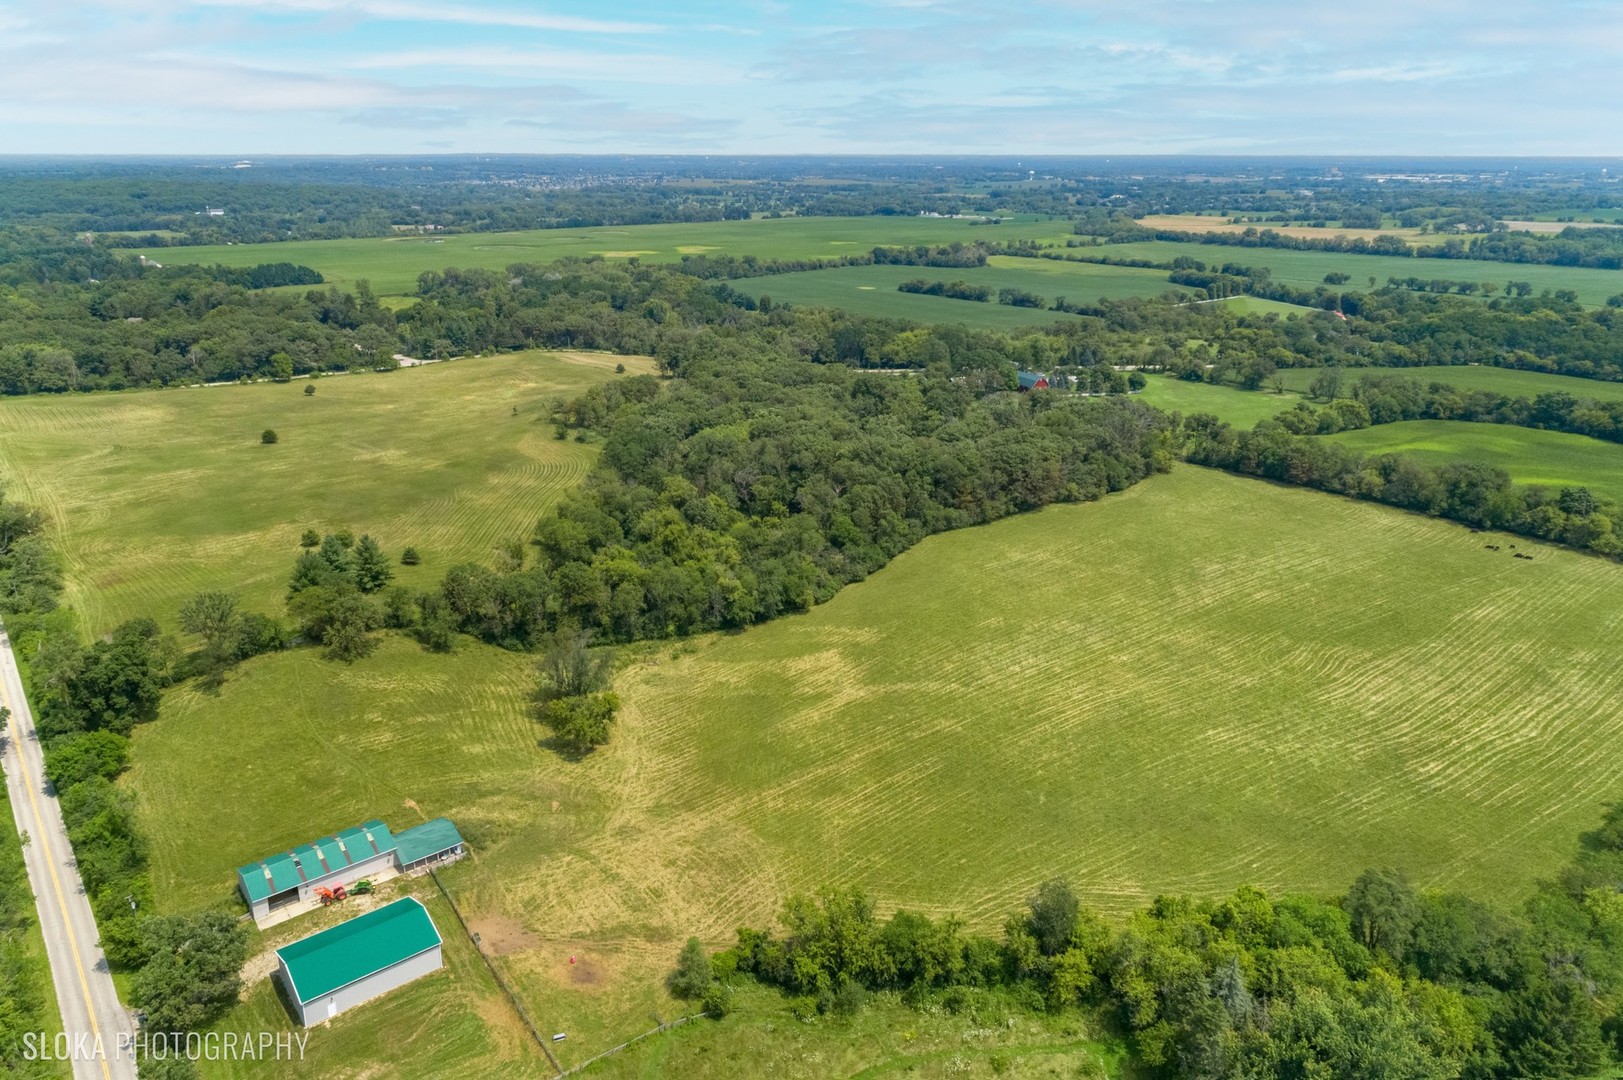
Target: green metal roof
305,863
324,962
429,838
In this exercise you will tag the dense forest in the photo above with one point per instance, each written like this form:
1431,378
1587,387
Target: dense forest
1386,982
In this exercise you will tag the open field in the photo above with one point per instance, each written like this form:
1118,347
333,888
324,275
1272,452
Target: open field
1557,226
1528,384
1201,223
1552,459
871,290
1203,681
392,264
1241,408
156,495
1305,269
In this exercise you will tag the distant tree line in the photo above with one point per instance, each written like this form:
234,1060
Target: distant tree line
1387,399
1471,493
1385,981
952,290
1593,248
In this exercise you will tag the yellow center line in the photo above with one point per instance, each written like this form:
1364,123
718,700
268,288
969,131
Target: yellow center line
56,881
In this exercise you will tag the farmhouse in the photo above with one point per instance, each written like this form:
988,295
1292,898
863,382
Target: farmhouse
292,882
359,960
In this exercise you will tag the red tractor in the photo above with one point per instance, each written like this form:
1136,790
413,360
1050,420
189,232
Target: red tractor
330,896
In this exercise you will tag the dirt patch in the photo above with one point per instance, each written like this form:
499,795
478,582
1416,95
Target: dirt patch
695,249
500,935
575,965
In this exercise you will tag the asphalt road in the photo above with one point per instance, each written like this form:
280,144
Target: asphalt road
96,1025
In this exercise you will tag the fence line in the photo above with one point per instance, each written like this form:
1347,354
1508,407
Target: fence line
634,1039
512,998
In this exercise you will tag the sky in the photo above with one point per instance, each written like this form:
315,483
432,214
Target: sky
240,77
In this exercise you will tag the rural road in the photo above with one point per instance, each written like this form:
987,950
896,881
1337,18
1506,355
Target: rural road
92,1017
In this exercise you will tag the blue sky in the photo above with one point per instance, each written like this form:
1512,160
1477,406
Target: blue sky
847,76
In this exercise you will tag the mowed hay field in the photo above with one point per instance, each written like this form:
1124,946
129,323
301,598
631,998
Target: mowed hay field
154,496
1510,381
1553,459
1203,681
393,263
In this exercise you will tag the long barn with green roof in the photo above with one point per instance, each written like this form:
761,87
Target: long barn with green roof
359,960
291,877
280,886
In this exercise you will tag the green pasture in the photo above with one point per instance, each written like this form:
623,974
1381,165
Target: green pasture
1256,305
1552,459
1510,381
393,263
156,495
1305,269
1241,408
1203,681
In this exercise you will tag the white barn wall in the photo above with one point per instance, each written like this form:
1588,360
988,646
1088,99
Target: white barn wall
364,990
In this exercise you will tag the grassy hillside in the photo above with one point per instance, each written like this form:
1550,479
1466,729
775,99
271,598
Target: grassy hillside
1551,458
1528,384
1203,681
393,263
156,495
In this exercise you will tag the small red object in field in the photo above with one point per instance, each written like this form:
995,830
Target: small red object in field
571,959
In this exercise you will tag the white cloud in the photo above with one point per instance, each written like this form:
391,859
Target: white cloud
406,11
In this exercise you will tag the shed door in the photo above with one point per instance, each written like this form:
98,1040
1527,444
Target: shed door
332,1008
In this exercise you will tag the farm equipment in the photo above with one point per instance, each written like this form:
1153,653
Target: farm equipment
331,896
361,888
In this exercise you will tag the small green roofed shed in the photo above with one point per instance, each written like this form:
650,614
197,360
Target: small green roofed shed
326,962
425,841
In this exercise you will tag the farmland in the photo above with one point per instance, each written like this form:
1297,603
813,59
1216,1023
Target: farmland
1242,408
1306,269
392,264
156,495
871,290
946,760
1202,223
1552,459
1509,381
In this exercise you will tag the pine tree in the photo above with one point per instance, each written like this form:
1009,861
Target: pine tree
372,570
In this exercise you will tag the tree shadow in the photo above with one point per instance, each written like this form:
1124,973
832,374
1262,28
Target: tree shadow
567,750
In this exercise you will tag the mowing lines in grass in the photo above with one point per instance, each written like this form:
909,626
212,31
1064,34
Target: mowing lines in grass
156,495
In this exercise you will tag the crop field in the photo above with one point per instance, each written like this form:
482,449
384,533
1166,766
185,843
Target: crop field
1241,408
1553,459
1305,269
1203,681
871,290
159,494
1527,384
392,263
1201,223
